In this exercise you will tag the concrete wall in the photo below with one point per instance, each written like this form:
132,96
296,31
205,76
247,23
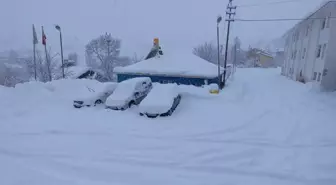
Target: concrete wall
329,70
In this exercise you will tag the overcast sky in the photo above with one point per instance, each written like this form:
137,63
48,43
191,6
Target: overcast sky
178,23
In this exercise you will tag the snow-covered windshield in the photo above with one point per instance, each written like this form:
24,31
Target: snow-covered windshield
123,91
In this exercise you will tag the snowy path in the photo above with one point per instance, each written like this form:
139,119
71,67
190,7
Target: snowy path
272,131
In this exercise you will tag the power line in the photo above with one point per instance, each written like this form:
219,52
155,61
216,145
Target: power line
277,20
269,3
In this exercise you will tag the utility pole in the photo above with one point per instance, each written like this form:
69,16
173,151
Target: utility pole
229,11
219,19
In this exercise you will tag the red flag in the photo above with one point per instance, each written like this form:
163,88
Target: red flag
44,37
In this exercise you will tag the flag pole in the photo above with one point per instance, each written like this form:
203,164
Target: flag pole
34,50
46,53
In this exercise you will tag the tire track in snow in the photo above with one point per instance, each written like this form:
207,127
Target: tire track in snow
250,123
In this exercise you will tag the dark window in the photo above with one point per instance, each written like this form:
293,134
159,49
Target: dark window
315,76
319,77
304,53
307,30
323,23
323,50
318,51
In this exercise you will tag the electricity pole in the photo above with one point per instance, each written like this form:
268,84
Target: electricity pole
219,19
229,11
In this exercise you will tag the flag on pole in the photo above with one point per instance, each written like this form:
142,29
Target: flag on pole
35,41
44,37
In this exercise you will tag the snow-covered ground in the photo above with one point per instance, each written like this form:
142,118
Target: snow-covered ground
262,129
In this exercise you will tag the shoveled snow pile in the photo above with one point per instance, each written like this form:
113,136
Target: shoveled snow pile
160,99
33,95
269,130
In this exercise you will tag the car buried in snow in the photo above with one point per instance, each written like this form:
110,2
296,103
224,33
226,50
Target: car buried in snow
128,93
161,101
96,97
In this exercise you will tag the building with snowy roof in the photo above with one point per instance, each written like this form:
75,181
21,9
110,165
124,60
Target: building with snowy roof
84,72
310,48
166,67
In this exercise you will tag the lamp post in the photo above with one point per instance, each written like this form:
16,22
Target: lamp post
219,19
61,42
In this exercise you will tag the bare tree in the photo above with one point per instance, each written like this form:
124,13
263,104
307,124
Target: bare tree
104,53
46,69
136,58
206,51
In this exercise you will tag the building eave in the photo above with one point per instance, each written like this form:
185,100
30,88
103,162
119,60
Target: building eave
170,75
307,17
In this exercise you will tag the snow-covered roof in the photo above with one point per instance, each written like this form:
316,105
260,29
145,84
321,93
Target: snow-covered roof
323,4
184,64
265,53
76,71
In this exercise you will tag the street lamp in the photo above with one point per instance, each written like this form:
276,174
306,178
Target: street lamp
59,29
219,19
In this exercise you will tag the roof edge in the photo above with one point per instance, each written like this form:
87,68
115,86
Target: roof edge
308,16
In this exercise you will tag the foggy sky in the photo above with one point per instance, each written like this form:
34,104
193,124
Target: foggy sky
178,23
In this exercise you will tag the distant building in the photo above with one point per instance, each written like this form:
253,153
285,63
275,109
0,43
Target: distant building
180,68
310,48
260,58
84,72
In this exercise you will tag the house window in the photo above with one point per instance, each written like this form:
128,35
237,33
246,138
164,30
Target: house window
324,23
319,77
307,30
318,51
304,53
315,76
323,50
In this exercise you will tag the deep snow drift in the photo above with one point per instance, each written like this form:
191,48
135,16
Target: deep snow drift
262,129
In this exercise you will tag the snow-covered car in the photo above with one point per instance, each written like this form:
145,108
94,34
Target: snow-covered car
96,97
129,92
162,100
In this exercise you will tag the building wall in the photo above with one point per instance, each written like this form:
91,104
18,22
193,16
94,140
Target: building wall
266,61
169,79
329,70
302,44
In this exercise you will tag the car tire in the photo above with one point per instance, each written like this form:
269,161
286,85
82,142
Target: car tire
77,107
98,102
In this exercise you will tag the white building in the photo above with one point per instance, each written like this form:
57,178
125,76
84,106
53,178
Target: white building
310,48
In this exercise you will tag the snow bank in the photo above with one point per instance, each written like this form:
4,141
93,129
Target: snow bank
274,131
33,95
160,99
